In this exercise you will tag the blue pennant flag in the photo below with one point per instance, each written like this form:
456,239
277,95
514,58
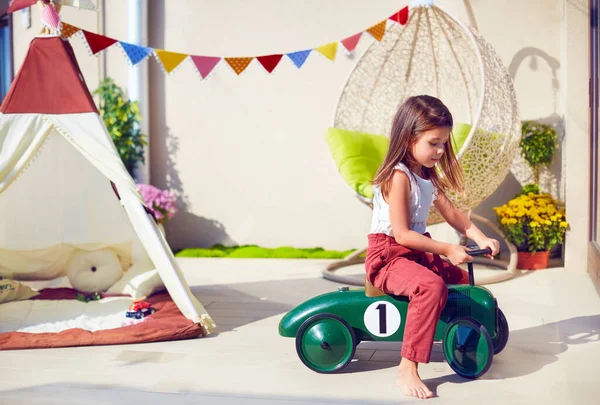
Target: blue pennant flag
135,53
299,57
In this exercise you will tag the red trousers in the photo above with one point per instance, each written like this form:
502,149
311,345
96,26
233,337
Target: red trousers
422,277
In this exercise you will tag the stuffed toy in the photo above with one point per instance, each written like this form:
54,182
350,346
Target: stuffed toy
93,271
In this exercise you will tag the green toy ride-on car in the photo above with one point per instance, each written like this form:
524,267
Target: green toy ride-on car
328,327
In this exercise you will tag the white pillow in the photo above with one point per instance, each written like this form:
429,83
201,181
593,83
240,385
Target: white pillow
11,290
140,281
93,271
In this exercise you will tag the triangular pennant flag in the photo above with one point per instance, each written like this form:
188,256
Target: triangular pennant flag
170,60
238,64
97,42
351,42
135,53
329,50
68,30
401,17
378,30
299,57
205,64
269,62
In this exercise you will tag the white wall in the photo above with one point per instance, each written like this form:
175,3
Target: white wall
247,154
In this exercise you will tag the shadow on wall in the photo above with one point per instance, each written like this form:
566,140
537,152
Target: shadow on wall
185,229
551,178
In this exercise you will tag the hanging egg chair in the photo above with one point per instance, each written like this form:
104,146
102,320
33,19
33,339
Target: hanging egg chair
436,54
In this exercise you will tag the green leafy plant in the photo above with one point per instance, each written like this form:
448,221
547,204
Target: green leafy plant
529,188
122,118
538,143
532,222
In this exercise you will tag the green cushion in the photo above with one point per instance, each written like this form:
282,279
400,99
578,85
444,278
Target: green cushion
358,154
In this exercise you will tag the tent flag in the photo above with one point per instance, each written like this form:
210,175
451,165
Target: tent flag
328,50
169,60
204,64
269,62
238,64
97,43
299,57
135,53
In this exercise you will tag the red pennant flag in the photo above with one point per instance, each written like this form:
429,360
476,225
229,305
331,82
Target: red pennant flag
205,64
269,62
401,17
97,42
351,42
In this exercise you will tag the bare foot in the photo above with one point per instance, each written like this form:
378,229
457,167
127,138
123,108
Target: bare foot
409,381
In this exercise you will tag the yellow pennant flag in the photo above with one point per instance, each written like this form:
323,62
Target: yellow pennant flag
238,64
329,50
67,30
170,60
378,30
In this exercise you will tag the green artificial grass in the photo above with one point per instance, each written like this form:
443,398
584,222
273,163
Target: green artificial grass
253,251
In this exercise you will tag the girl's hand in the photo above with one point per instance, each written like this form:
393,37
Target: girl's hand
458,254
493,244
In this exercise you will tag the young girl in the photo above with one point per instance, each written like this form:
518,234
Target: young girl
402,259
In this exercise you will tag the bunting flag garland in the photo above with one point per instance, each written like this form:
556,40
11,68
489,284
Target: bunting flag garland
351,42
169,60
135,53
299,57
401,17
97,42
378,30
238,64
205,65
269,62
329,50
67,30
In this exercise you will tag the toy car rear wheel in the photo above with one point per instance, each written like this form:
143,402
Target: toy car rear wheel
468,347
325,343
502,332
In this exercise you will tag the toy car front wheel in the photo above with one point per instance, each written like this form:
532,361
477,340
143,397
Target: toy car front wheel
325,343
468,347
502,332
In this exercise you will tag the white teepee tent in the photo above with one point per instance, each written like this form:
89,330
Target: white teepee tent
63,186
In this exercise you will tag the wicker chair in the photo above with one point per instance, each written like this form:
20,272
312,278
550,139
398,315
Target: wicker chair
436,54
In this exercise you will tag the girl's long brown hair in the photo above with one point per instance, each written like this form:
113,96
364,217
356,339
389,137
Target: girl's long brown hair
415,116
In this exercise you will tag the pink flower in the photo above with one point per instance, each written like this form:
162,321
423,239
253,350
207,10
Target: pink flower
161,202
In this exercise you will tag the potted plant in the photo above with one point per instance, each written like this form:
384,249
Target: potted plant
538,143
534,224
122,118
161,203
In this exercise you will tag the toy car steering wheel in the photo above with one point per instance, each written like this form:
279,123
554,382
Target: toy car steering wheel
475,251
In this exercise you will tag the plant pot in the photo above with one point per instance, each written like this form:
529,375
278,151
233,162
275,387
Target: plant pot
533,261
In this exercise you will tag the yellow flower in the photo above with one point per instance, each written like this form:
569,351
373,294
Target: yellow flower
547,222
563,224
533,224
512,221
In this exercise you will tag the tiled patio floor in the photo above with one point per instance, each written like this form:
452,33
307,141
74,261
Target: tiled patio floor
552,357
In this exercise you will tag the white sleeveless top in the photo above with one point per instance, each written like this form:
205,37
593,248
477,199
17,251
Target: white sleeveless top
422,195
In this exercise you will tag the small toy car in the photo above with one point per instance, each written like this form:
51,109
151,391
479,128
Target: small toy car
139,310
328,327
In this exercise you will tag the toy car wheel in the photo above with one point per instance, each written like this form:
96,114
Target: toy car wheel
468,347
502,332
325,343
